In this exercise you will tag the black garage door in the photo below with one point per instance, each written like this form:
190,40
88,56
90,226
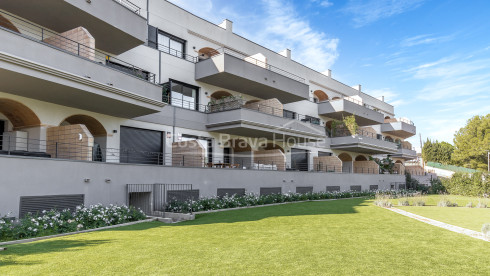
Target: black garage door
299,159
141,146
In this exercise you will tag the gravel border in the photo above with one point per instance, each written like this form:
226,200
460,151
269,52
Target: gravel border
73,233
450,227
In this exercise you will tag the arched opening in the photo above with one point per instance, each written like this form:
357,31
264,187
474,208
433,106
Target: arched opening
93,125
347,164
398,162
220,94
89,143
361,158
4,22
19,128
19,115
335,98
206,52
387,117
320,96
398,141
388,139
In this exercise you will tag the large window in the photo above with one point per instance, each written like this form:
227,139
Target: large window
181,94
170,44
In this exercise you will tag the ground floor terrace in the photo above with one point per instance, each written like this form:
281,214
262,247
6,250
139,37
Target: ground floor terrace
341,237
36,128
31,183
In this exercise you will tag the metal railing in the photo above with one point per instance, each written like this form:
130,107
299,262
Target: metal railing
176,53
239,104
358,103
67,45
129,5
258,63
36,148
359,132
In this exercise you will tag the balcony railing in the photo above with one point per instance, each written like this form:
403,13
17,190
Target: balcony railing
404,120
67,45
35,148
238,104
360,132
176,53
356,102
259,63
130,5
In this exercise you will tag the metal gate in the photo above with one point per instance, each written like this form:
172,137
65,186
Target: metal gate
153,198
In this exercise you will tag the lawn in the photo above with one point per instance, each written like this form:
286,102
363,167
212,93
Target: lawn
332,237
470,218
432,200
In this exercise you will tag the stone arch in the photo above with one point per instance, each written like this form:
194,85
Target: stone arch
206,52
220,94
335,98
18,114
320,95
4,22
361,158
399,162
398,141
388,138
92,124
344,157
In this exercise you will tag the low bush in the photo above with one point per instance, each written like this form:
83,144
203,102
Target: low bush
445,202
474,184
56,222
482,203
403,202
418,201
469,205
485,229
216,203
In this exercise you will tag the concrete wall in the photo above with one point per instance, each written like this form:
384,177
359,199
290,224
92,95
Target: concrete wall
107,181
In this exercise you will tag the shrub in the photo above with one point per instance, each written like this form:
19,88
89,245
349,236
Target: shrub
56,222
418,201
445,202
485,229
482,203
474,184
469,205
436,186
404,202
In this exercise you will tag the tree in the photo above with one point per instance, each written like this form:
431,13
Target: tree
472,143
437,152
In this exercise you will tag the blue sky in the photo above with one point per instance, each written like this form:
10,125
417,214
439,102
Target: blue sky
429,58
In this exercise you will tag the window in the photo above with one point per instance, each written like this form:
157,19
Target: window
289,114
170,44
324,153
181,94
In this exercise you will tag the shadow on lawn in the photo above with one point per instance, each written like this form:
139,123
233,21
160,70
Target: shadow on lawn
343,206
8,257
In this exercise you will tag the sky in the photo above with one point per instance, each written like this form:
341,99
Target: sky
429,58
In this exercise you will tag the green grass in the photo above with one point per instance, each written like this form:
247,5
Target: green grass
333,237
432,200
470,218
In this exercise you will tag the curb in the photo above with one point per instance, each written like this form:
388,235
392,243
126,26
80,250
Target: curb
73,233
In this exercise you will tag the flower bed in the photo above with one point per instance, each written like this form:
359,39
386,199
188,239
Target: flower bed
216,203
56,222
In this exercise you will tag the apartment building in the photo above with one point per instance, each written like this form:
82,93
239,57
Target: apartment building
95,95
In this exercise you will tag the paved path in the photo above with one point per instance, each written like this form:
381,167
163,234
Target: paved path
450,227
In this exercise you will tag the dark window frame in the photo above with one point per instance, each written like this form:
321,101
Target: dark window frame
169,96
174,38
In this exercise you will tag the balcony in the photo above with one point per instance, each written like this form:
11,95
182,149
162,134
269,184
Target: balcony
402,128
234,71
338,109
116,25
39,64
261,121
405,151
362,142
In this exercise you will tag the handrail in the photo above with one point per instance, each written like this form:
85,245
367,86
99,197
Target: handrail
67,45
224,50
239,104
129,5
176,53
